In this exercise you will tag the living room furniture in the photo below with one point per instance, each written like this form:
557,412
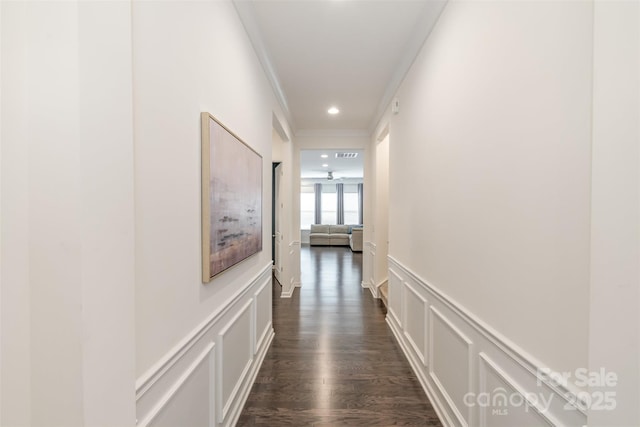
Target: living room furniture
336,235
355,239
329,235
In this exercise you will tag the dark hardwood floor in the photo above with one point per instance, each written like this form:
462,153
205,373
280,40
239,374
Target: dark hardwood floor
334,361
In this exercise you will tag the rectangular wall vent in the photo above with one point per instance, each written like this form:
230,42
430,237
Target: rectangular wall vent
346,155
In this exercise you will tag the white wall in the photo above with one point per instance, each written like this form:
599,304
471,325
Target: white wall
16,293
105,320
54,187
615,246
490,170
107,226
188,57
513,200
67,214
497,226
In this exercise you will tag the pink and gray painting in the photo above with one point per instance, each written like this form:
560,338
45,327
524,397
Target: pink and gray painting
235,192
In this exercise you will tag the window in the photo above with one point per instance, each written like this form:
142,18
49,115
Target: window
351,204
329,204
307,207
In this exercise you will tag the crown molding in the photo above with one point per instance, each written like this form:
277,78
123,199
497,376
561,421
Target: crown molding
279,127
246,13
432,11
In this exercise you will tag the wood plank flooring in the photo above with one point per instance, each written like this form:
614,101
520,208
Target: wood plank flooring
334,361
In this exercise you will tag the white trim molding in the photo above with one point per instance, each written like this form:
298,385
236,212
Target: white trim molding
462,365
246,13
234,329
294,252
532,405
465,365
421,328
294,265
396,302
369,262
427,22
207,354
260,337
242,327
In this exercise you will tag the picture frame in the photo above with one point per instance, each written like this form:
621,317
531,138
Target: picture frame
231,199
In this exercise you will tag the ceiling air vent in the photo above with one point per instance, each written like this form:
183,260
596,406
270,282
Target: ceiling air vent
346,155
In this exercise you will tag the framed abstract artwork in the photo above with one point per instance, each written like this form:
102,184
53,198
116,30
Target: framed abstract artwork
231,199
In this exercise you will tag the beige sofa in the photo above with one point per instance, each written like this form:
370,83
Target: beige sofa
336,235
329,235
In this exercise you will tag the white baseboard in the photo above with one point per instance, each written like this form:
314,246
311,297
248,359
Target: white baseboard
374,290
460,362
207,377
289,292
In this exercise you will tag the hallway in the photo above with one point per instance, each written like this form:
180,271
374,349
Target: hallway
334,361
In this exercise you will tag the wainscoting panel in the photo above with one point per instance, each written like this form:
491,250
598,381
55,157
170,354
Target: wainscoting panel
179,405
235,357
504,397
416,307
450,364
206,378
262,310
396,286
468,369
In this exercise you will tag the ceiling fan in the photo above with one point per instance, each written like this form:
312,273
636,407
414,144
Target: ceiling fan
330,177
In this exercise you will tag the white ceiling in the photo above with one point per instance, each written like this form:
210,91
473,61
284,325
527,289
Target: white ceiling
349,53
311,164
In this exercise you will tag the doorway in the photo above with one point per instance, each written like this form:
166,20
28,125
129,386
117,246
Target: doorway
380,249
331,197
276,220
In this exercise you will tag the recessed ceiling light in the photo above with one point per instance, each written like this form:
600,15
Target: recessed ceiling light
324,156
333,110
325,165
